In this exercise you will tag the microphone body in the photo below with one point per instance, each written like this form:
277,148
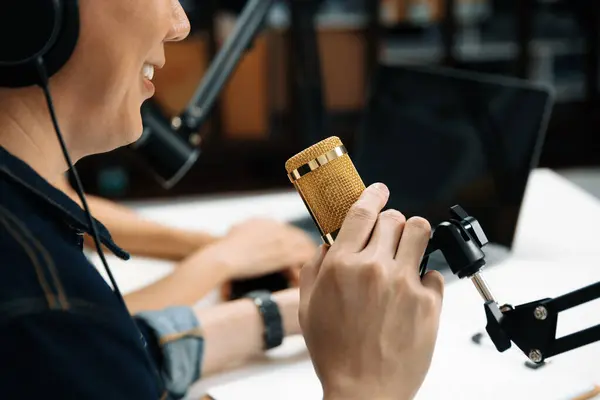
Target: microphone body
327,182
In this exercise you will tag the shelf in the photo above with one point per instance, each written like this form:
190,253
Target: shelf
337,17
401,52
279,19
419,14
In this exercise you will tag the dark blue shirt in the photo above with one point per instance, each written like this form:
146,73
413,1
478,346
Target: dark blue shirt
65,335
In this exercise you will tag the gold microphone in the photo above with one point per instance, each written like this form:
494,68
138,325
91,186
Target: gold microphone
329,185
327,182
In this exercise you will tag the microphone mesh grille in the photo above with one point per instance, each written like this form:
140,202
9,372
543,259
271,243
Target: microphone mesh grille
330,190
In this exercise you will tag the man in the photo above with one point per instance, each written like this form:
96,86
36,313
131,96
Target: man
369,321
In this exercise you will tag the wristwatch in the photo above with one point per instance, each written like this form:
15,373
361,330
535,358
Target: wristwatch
269,311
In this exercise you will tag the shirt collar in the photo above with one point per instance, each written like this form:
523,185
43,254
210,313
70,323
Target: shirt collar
66,209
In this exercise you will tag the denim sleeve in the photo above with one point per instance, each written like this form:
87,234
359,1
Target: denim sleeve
180,339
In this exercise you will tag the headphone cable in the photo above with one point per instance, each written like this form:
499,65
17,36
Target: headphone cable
79,188
75,175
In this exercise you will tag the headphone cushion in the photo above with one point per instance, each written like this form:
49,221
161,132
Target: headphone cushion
14,17
21,75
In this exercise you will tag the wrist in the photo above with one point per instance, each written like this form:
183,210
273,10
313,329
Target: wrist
204,261
191,241
220,256
288,302
359,392
344,386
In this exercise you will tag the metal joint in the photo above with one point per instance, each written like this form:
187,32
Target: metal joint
536,356
540,313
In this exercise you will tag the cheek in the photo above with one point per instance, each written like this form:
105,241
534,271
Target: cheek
118,100
109,105
122,127
107,69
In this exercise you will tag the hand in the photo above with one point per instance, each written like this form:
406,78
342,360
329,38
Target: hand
261,246
369,322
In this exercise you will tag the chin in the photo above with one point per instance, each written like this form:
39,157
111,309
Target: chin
125,137
136,135
133,131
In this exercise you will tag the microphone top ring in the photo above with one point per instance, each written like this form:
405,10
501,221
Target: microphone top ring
315,163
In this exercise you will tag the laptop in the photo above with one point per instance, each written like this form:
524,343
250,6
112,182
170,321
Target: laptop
439,137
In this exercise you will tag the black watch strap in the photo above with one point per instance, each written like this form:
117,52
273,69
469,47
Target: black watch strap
269,311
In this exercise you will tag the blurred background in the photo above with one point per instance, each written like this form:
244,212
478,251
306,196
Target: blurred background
263,115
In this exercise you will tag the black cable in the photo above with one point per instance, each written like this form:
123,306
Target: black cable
78,186
44,83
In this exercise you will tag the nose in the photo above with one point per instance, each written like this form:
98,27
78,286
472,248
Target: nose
180,24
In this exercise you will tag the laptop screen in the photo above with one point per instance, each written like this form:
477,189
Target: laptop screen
439,137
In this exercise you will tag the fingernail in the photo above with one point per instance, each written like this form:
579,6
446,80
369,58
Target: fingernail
381,187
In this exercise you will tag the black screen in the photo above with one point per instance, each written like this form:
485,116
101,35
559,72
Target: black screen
439,137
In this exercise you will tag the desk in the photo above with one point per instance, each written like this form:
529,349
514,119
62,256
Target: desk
557,225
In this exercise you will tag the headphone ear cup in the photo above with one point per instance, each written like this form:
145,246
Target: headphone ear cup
46,28
41,24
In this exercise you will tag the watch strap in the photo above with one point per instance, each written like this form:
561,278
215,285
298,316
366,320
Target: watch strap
272,321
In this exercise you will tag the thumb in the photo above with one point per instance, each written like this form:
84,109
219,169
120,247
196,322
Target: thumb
308,275
433,280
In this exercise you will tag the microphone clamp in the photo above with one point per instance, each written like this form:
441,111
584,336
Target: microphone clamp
460,239
531,326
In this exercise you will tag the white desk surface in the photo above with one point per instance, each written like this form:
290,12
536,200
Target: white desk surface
460,369
556,235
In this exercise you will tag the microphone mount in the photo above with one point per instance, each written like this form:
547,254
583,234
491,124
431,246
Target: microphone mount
248,25
171,147
532,326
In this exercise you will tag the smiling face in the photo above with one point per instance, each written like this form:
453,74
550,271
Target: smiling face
101,88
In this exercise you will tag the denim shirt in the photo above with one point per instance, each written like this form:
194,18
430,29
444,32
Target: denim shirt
65,335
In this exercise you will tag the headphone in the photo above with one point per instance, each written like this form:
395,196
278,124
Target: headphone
52,31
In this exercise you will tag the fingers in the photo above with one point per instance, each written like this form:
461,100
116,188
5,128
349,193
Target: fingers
358,225
309,274
434,281
387,233
413,243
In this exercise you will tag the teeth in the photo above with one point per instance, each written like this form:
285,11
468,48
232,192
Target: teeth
148,71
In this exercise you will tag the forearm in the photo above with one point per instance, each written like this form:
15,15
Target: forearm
233,332
191,280
220,336
136,234
143,237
